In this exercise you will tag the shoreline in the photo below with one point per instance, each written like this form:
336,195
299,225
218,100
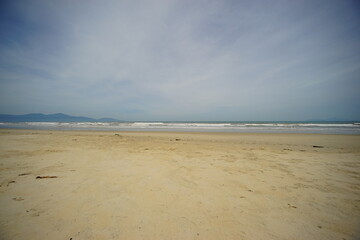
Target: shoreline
351,128
173,132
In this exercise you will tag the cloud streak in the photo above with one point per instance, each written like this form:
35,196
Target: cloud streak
181,60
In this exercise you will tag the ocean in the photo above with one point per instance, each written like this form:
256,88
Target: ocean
321,127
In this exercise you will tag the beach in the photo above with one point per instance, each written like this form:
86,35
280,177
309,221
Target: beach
178,185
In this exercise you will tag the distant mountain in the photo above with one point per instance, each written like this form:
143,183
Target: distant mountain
58,117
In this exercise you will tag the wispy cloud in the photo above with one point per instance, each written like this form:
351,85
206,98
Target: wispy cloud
201,60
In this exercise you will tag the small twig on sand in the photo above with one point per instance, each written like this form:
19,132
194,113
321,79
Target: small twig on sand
41,177
23,174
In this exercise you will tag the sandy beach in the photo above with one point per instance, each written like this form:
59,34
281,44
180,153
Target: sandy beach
165,185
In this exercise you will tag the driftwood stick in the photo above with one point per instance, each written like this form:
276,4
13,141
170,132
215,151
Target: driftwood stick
41,177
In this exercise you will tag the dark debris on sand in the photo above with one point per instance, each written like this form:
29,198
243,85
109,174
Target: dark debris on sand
41,177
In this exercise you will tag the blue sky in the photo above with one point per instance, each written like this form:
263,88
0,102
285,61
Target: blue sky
181,60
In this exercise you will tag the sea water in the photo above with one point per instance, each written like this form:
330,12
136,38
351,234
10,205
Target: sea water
249,126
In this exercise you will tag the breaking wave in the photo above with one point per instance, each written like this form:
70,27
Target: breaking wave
289,127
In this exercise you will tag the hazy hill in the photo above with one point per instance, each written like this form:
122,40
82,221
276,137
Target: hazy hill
58,117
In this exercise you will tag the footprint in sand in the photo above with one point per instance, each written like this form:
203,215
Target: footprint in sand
291,206
10,183
183,177
18,199
33,212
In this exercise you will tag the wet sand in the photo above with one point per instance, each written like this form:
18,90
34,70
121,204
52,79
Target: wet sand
162,185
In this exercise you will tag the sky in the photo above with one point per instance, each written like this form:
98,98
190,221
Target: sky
181,60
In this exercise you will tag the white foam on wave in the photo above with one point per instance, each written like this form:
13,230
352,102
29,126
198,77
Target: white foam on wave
185,125
188,125
195,126
147,124
42,123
